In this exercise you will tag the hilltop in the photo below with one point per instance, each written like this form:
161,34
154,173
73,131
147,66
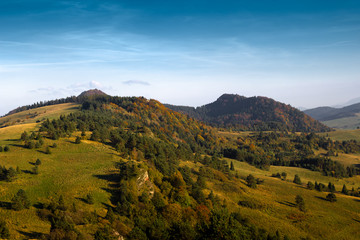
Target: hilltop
92,93
253,113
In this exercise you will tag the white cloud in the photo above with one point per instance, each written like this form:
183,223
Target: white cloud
136,82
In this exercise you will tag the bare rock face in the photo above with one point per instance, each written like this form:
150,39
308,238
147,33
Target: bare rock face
143,183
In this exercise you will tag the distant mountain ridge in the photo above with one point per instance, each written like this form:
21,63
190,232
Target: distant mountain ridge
253,113
330,113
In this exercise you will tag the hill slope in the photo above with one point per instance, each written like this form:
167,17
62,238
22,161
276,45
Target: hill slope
346,117
253,113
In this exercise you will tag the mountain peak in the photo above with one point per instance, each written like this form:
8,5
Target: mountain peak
92,93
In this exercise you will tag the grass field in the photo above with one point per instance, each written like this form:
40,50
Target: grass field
38,114
71,170
344,123
343,135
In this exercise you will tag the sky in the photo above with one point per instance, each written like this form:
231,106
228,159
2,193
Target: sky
303,53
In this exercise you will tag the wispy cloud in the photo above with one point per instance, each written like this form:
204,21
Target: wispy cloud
70,90
136,82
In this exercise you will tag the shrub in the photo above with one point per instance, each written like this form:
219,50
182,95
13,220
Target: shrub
331,197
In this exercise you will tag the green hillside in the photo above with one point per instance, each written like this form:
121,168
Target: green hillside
131,167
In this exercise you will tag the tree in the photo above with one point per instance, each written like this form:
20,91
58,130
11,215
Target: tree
284,175
331,187
78,140
344,190
232,168
20,201
297,179
35,170
89,199
310,185
251,181
48,151
300,203
38,162
4,231
331,197
6,149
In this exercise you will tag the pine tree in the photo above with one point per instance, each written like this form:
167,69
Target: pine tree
38,162
344,190
232,168
297,179
300,203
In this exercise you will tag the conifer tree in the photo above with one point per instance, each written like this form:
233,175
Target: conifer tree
20,201
297,179
300,203
344,190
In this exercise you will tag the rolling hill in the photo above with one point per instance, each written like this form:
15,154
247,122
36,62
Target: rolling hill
253,113
129,167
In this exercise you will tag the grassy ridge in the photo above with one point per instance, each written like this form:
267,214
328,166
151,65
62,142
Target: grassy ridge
38,114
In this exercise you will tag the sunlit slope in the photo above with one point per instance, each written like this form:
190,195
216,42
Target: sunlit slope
72,170
38,114
344,123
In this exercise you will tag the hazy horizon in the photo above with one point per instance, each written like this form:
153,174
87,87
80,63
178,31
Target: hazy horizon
185,53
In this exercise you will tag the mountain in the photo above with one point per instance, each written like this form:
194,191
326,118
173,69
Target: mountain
253,113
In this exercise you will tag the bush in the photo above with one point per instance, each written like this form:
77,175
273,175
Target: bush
251,181
6,149
331,197
38,162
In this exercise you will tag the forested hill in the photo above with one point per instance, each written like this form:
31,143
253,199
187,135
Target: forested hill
253,113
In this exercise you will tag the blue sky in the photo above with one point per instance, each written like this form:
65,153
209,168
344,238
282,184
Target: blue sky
303,53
